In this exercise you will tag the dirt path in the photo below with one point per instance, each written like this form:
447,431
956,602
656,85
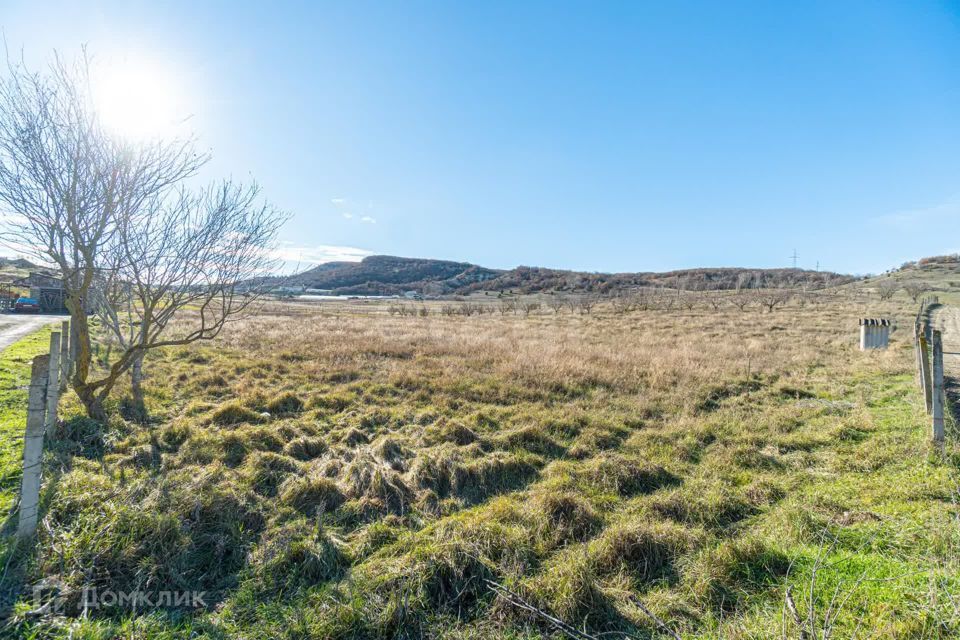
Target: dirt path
14,326
947,320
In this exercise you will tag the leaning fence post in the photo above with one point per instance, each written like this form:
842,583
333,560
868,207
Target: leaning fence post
53,384
33,448
937,388
64,354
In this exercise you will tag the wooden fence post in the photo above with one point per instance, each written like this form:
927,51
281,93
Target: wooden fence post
33,448
53,384
64,354
938,394
925,373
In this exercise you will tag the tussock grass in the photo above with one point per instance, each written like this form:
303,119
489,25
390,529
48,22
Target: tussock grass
694,462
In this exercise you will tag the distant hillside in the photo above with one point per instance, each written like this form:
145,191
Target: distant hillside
932,275
13,268
389,275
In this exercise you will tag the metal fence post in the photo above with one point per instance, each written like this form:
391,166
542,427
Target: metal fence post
938,394
33,448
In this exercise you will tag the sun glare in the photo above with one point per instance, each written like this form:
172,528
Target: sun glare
137,100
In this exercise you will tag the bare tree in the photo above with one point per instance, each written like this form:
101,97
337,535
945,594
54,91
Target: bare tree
529,306
741,301
586,303
508,306
109,214
914,290
715,301
687,300
623,302
887,289
771,298
199,251
556,302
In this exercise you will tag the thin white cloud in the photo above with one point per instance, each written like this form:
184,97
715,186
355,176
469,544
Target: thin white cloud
319,254
352,210
944,211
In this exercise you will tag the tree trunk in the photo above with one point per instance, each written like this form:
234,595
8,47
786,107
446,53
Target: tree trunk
91,402
136,388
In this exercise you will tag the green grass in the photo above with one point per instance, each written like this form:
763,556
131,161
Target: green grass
390,482
14,380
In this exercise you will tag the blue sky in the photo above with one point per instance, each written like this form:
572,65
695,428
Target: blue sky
602,136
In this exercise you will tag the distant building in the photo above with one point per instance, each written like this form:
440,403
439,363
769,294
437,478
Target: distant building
38,279
412,295
46,289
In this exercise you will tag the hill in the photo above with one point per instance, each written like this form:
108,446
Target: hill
934,275
390,275
13,268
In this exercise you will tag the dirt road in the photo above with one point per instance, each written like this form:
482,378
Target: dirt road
15,326
947,320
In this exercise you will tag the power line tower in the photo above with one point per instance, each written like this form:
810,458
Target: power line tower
794,258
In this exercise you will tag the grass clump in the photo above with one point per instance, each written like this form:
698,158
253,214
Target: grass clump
312,495
565,518
286,404
628,476
726,576
378,489
233,413
306,447
265,471
292,557
646,551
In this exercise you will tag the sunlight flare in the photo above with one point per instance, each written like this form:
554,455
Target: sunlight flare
137,99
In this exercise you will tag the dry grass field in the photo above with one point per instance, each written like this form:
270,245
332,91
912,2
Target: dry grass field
335,471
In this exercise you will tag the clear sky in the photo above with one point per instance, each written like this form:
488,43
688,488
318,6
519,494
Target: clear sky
604,136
